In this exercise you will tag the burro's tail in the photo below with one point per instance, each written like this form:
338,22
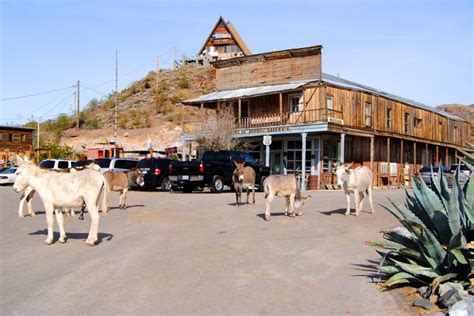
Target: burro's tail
105,198
266,187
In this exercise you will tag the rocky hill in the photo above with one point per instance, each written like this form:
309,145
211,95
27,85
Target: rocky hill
150,107
463,111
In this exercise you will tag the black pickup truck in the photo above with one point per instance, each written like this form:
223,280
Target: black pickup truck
213,170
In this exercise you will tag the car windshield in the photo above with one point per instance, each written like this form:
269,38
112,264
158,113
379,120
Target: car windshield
428,169
9,171
463,167
103,163
47,164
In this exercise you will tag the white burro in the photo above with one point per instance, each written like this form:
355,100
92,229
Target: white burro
64,190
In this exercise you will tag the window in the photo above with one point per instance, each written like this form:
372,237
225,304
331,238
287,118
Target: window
23,137
417,122
10,137
294,101
455,132
368,114
407,122
329,104
63,165
389,118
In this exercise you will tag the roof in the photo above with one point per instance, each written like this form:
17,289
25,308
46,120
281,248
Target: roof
18,128
248,92
231,29
343,83
279,54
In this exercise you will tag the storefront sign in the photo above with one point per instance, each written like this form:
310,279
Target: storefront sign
267,140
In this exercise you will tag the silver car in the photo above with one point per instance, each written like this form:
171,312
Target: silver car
116,164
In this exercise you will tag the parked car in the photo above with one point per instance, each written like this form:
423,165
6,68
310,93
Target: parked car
8,176
213,170
116,164
57,164
465,173
80,164
156,172
425,173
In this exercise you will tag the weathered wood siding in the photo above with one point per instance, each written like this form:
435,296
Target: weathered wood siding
268,72
433,126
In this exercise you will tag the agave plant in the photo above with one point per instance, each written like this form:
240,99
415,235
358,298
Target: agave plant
436,243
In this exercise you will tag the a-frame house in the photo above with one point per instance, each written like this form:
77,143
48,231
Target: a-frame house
222,43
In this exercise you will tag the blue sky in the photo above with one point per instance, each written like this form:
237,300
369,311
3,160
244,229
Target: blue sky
421,50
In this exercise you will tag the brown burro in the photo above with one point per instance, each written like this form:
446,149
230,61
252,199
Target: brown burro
243,177
120,182
285,186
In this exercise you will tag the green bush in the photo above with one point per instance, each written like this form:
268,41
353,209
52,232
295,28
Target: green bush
93,123
183,82
178,98
160,100
436,244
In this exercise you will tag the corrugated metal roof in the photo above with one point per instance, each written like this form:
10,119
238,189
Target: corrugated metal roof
329,79
249,92
343,83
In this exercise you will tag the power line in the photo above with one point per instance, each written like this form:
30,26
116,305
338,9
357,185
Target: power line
35,94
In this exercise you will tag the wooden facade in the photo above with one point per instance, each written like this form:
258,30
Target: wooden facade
15,141
286,95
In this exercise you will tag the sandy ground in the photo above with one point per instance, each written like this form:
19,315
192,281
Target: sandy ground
174,253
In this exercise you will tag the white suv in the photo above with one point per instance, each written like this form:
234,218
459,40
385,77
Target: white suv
116,164
56,164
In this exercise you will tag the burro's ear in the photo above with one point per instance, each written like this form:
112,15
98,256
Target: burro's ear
349,165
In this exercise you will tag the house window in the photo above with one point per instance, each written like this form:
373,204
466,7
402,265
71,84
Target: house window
389,118
23,137
407,122
417,122
295,103
330,105
368,114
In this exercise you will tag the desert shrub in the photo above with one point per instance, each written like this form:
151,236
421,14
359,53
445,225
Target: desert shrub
123,121
160,100
173,116
183,82
94,122
178,97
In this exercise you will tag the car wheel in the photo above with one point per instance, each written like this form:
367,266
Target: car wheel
166,185
217,184
188,188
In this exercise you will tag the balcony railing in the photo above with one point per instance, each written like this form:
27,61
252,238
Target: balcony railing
287,118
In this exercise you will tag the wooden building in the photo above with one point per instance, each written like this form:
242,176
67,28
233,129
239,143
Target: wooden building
15,141
222,43
316,119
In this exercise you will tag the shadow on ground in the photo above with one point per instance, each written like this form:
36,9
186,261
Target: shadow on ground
83,236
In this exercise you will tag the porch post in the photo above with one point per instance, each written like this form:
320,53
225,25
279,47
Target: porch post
388,149
427,156
446,157
183,150
414,155
437,155
372,153
342,148
267,155
303,160
281,104
239,114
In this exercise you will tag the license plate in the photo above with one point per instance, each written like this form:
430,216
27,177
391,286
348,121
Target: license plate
185,177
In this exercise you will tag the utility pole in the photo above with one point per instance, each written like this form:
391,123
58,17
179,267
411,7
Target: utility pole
116,96
77,105
38,133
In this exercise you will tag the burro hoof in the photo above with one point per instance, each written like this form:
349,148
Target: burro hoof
90,242
299,213
32,215
48,241
21,215
63,240
267,217
346,214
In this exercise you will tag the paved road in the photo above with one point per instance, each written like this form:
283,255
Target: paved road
173,253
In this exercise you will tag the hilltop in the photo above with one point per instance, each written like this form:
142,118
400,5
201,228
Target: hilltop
148,107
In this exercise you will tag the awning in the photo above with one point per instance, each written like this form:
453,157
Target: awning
248,92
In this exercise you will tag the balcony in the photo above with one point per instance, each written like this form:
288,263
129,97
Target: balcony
276,119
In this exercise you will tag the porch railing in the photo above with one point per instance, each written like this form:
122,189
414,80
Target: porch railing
287,118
